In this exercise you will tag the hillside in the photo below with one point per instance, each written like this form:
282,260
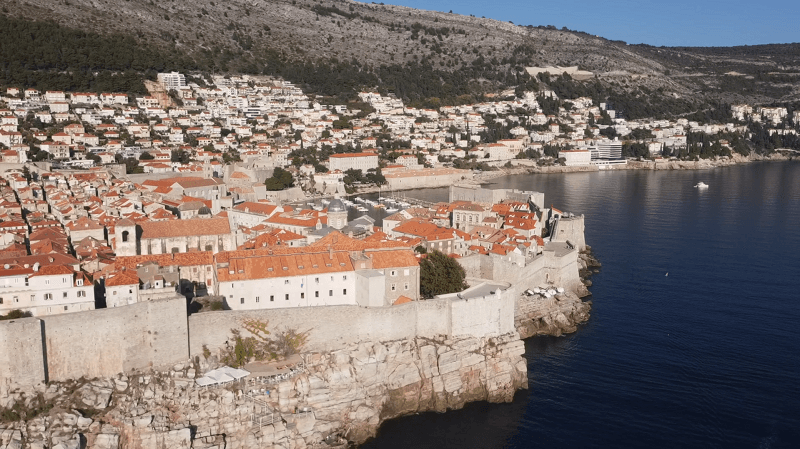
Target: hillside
334,48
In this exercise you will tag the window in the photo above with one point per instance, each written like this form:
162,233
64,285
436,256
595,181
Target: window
65,307
316,280
344,278
175,250
287,296
330,292
394,287
124,236
33,297
302,295
286,282
48,296
1,299
258,299
208,268
316,295
344,291
272,297
406,286
81,293
241,301
64,295
115,293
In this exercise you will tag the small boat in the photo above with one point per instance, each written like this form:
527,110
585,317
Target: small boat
361,209
391,210
379,206
701,185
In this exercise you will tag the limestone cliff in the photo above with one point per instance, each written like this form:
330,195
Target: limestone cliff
346,393
559,314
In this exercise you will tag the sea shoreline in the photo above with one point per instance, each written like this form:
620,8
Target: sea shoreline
520,169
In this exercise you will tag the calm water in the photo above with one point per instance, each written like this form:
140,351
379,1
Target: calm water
707,357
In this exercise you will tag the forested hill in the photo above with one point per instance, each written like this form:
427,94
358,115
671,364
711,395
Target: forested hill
335,48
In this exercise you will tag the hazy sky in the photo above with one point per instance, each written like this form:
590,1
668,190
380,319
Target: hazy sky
670,23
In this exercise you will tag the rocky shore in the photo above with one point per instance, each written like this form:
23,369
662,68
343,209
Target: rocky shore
338,397
560,314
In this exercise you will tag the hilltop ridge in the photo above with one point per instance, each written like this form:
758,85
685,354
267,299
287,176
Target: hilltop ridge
341,46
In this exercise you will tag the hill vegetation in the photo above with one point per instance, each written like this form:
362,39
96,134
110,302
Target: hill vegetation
336,48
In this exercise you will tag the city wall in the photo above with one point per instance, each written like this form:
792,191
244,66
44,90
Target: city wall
335,327
557,266
96,343
106,342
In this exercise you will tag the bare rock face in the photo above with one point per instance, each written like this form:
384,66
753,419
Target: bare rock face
555,316
345,393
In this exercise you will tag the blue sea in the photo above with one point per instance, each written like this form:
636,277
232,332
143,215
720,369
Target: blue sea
707,356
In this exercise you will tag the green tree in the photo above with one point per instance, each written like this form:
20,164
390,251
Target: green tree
280,180
440,274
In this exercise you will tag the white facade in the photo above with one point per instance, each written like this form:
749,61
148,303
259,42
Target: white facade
575,157
355,161
321,289
44,294
172,80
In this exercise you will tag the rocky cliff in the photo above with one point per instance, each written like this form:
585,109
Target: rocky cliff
345,393
559,314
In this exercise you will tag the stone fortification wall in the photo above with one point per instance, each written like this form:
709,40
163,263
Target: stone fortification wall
106,342
571,229
95,343
21,352
338,326
426,180
479,194
557,268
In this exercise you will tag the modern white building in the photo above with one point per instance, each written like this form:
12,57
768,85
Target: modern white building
172,80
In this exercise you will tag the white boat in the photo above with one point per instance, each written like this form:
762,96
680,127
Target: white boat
391,210
701,185
361,209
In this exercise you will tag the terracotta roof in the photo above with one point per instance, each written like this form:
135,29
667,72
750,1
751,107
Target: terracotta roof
182,228
393,258
194,258
256,208
279,266
52,270
123,277
402,300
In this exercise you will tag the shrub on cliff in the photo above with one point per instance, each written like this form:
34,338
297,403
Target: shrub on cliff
440,274
14,314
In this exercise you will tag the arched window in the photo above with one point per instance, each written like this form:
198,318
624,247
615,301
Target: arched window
124,236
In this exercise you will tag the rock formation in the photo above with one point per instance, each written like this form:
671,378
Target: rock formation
345,393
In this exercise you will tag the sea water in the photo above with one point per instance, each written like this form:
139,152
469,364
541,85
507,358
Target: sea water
694,338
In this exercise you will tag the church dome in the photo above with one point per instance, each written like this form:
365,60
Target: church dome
336,205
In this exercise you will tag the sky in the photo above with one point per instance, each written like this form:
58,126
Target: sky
697,23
